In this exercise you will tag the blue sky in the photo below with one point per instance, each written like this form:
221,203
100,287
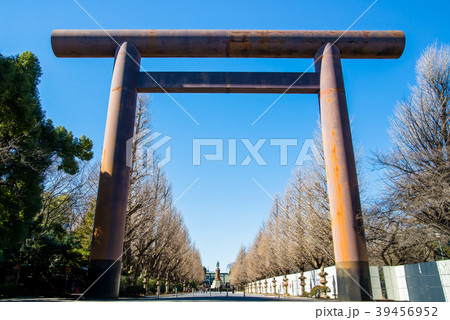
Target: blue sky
225,208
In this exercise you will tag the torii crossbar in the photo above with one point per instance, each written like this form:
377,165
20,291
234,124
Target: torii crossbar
326,47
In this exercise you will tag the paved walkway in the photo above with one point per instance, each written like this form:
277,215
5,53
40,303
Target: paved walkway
217,297
198,296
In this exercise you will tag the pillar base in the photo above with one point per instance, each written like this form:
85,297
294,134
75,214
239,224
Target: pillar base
107,285
353,281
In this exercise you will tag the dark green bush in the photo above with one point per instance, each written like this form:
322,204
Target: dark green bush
11,289
135,291
152,286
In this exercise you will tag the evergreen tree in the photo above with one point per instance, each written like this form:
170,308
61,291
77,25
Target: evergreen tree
29,144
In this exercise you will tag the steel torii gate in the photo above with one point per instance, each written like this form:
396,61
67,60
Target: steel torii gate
326,47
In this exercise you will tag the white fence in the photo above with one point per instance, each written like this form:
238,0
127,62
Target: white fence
312,280
420,282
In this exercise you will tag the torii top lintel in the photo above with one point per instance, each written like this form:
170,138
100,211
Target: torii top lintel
229,43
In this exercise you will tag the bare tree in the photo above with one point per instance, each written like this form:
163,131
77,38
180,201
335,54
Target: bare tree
66,197
297,235
238,270
418,166
396,239
156,239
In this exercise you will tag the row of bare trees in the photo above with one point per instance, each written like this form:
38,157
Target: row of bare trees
297,234
411,220
157,241
406,223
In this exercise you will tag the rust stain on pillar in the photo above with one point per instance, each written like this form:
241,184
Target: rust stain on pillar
345,207
109,226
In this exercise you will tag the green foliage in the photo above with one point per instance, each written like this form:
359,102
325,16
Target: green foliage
11,289
29,143
49,253
133,290
138,287
83,233
152,286
193,284
123,285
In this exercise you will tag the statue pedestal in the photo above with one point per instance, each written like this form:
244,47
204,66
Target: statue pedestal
216,284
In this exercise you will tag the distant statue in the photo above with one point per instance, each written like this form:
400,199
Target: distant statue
217,283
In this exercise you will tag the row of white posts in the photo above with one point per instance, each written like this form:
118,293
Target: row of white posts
291,284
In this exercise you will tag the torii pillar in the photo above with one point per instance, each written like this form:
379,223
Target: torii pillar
109,227
350,252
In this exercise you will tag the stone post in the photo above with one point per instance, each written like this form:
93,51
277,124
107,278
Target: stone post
274,285
323,281
167,285
285,285
158,287
145,281
302,283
